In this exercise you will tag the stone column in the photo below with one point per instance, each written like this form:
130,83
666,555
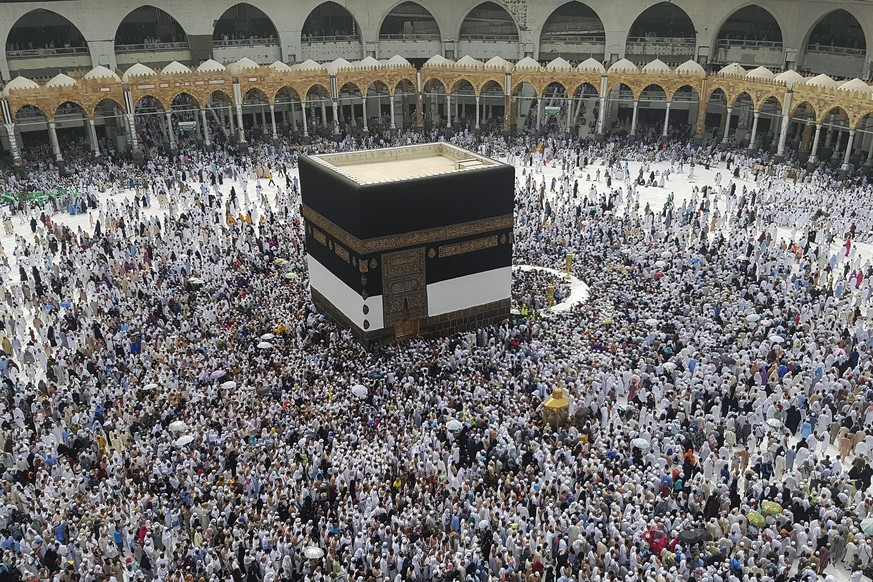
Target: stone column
666,119
836,155
419,121
323,114
171,137
206,139
364,112
570,116
335,108
539,113
848,155
305,128
448,110
13,142
53,138
601,116
92,131
477,112
391,107
754,139
634,118
239,119
783,135
814,155
273,120
727,125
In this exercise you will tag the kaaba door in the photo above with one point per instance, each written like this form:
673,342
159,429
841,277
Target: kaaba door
404,291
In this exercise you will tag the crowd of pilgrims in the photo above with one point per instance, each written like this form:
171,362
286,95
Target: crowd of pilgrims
175,408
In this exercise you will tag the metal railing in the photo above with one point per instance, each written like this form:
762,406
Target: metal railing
414,36
150,46
255,41
837,50
490,37
660,40
572,38
726,43
47,52
333,38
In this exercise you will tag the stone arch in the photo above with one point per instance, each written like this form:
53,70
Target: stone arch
664,19
457,85
409,86
762,99
144,101
290,91
800,104
834,24
488,19
581,89
149,23
486,82
42,28
177,104
836,109
243,20
331,20
30,110
105,100
576,29
72,101
219,100
680,91
737,97
764,25
319,90
421,23
653,89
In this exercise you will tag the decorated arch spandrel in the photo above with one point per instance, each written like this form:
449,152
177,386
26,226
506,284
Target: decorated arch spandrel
165,88
45,99
95,91
365,77
855,104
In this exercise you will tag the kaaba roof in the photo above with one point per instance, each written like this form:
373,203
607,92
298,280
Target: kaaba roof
403,163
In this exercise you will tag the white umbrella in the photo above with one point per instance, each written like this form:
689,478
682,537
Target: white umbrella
217,374
265,345
669,366
776,339
667,254
360,391
641,444
178,426
149,387
267,336
313,553
753,317
184,440
660,264
454,425
195,281
774,422
228,385
651,322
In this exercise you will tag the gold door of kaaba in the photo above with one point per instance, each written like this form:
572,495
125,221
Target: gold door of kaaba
404,291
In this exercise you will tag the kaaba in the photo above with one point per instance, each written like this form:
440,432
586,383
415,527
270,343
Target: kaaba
408,241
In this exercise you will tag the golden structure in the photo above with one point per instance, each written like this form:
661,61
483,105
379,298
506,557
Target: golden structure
810,100
556,409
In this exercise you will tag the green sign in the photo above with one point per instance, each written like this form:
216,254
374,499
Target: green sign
187,126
